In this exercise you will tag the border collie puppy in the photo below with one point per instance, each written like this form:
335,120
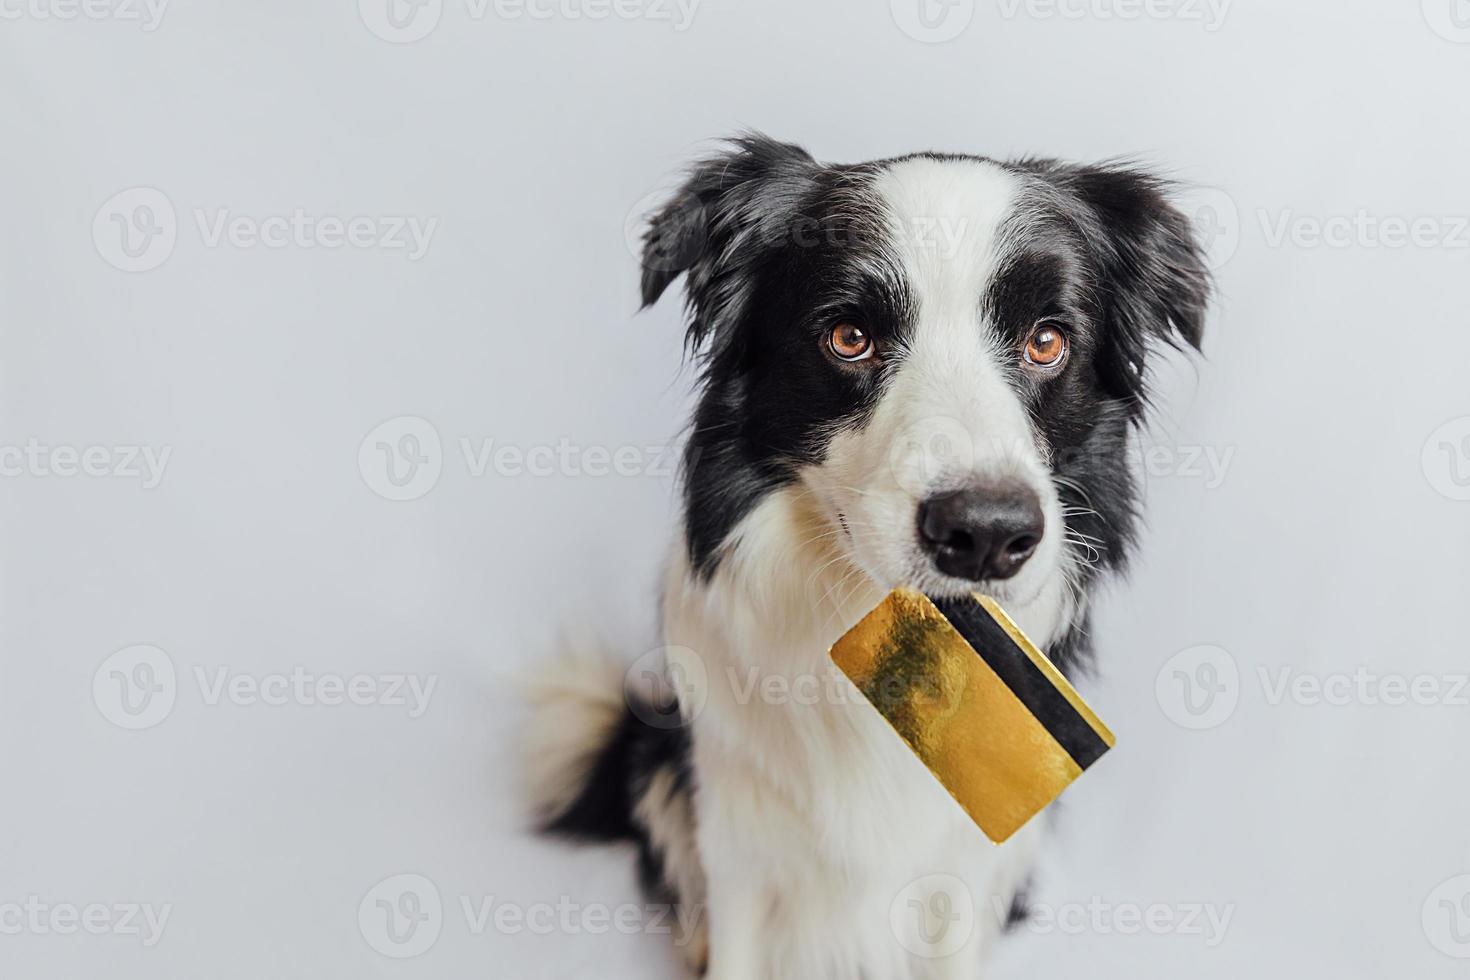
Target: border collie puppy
922,371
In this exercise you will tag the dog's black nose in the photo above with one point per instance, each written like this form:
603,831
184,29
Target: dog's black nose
982,532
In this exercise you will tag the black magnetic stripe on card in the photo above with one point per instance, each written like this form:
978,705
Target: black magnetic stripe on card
1026,681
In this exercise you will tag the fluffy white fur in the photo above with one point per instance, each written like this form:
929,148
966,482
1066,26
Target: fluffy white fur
847,817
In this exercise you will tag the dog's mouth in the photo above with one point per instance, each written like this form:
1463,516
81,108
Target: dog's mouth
1005,592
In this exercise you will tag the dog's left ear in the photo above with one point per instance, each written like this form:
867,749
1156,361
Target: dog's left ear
1156,286
733,212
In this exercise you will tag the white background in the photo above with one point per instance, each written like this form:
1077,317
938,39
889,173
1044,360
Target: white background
1333,540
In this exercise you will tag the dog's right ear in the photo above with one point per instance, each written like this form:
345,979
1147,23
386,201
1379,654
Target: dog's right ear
734,208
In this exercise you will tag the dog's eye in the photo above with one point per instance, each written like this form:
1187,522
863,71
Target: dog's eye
1046,347
850,342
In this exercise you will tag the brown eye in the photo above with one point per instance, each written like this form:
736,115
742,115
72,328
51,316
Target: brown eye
1047,345
849,342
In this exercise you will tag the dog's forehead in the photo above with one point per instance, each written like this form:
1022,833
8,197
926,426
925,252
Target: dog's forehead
951,188
947,219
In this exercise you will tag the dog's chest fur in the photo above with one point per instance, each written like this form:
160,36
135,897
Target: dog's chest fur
804,794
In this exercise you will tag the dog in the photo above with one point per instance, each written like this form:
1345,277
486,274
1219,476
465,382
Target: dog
922,371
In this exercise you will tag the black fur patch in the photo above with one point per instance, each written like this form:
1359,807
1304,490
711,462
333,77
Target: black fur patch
603,810
1020,908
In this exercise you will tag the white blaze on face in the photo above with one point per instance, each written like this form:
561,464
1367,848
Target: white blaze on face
950,415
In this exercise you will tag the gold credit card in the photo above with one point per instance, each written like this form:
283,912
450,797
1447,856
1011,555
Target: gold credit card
990,716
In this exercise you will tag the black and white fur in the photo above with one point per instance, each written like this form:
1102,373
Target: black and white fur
786,827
